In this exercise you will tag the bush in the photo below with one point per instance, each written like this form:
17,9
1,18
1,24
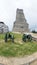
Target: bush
33,31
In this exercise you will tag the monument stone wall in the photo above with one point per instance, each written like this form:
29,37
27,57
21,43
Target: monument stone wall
20,24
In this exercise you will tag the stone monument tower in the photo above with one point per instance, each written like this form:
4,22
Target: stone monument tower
20,24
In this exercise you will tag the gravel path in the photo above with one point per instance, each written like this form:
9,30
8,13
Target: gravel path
18,61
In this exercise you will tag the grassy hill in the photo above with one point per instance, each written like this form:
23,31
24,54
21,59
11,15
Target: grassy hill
18,48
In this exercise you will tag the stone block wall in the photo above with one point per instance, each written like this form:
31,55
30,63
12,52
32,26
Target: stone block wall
20,25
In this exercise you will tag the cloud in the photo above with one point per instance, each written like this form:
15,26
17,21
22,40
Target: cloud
8,11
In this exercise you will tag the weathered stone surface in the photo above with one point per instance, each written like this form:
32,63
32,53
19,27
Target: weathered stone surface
3,28
20,25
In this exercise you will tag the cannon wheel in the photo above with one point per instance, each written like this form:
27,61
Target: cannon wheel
29,38
6,37
24,37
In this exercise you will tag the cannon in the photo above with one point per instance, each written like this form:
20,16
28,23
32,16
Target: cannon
9,36
26,37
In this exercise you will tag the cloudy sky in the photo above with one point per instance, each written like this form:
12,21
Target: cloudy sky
8,11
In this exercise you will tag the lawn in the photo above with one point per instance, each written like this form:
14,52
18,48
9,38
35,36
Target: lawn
16,49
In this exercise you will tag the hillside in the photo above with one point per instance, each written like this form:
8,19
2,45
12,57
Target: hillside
18,48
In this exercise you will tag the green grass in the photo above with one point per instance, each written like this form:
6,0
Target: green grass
2,36
16,49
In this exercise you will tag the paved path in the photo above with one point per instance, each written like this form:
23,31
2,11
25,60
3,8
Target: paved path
18,61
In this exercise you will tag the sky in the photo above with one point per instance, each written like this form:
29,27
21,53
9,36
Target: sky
8,12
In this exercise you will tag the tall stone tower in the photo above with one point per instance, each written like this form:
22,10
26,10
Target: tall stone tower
20,25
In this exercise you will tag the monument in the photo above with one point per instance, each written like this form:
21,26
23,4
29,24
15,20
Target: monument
3,28
20,24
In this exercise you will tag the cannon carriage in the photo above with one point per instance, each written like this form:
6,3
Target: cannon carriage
9,36
29,37
26,37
